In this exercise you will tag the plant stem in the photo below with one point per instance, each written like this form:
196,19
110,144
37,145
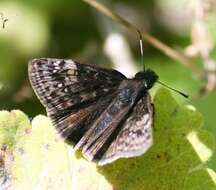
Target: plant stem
172,53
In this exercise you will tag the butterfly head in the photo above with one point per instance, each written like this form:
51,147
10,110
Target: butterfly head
148,77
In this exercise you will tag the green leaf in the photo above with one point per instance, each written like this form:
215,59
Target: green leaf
13,125
176,161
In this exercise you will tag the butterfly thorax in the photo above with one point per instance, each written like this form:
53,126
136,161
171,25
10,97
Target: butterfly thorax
148,77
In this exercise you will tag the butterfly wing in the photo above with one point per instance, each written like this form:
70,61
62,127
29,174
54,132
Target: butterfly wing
123,129
73,94
135,136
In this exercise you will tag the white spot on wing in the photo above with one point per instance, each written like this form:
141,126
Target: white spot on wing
71,64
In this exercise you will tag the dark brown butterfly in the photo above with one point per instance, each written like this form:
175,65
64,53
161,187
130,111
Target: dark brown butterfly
99,111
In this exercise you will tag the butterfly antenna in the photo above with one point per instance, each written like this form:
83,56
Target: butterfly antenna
141,47
181,93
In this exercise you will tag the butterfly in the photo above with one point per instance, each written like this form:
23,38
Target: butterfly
97,110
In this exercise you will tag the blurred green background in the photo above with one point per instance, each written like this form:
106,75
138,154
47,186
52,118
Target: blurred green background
73,29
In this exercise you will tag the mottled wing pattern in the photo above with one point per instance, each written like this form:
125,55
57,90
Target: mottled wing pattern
98,110
106,128
73,94
135,136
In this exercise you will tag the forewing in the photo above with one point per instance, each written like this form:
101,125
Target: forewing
73,94
135,136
